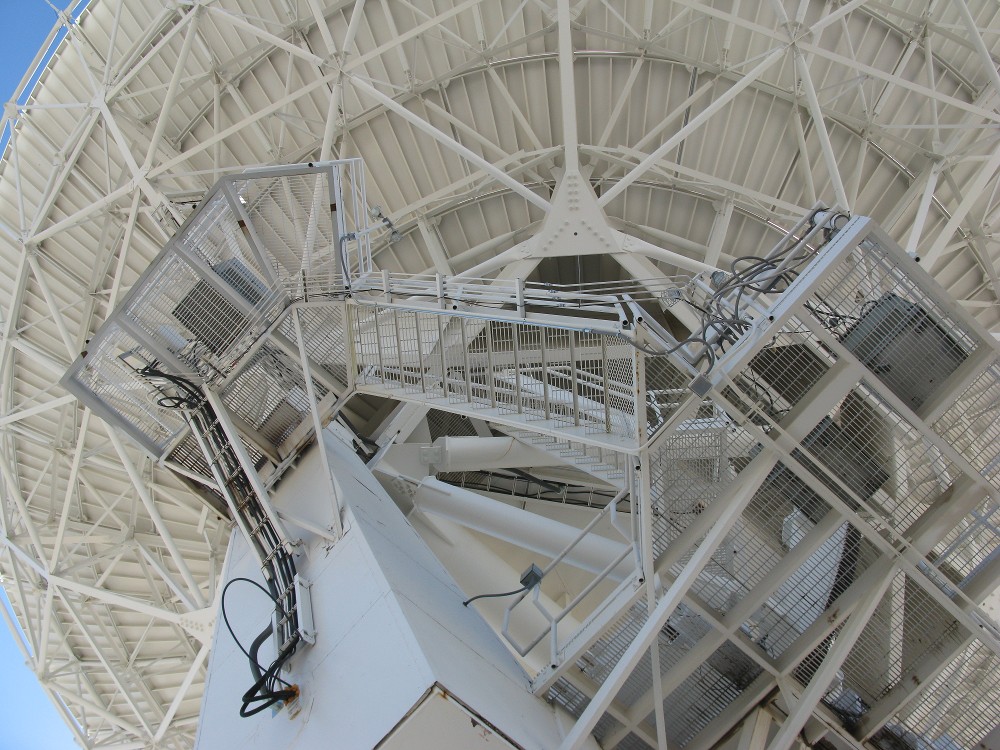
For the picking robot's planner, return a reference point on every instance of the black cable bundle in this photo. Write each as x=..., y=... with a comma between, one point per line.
x=180, y=393
x=265, y=691
x=188, y=397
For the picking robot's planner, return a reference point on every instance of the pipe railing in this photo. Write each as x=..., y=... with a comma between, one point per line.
x=610, y=512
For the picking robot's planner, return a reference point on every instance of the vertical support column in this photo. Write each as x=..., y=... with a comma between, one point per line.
x=378, y=342
x=442, y=327
x=418, y=332
x=606, y=383
x=543, y=332
x=350, y=344
x=515, y=342
x=339, y=226
x=491, y=373
x=465, y=360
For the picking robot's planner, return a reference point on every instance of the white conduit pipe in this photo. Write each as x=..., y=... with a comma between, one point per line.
x=485, y=453
x=521, y=527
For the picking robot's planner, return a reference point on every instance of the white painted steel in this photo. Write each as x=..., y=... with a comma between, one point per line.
x=461, y=111
x=530, y=531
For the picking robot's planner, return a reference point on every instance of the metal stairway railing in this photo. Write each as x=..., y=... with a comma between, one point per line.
x=563, y=379
x=599, y=462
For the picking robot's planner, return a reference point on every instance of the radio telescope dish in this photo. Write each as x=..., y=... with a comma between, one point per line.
x=640, y=150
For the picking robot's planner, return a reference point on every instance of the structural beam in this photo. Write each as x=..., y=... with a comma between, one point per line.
x=751, y=478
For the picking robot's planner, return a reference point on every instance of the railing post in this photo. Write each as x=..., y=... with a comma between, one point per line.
x=439, y=283
x=639, y=374
x=491, y=375
x=542, y=331
x=420, y=351
x=350, y=327
x=378, y=343
x=465, y=360
x=516, y=345
x=399, y=349
x=442, y=328
x=607, y=390
x=574, y=382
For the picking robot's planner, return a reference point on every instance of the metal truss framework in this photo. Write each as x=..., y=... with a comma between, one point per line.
x=703, y=133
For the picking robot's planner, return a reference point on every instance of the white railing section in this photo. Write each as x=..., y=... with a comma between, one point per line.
x=628, y=532
x=558, y=375
x=522, y=371
x=453, y=292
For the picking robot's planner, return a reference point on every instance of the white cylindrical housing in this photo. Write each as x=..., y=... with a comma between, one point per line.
x=484, y=453
x=528, y=530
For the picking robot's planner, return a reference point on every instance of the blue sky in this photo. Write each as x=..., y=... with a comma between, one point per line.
x=28, y=720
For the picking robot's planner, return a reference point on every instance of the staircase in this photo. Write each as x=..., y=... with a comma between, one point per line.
x=569, y=383
x=601, y=463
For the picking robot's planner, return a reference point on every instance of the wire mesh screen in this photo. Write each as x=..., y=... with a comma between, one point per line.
x=217, y=236
x=564, y=693
x=293, y=217
x=259, y=240
x=632, y=742
x=771, y=524
x=666, y=390
x=705, y=694
x=783, y=371
x=604, y=654
x=561, y=376
x=444, y=423
x=974, y=541
x=199, y=318
x=324, y=335
x=676, y=638
x=692, y=467
x=907, y=631
x=894, y=325
x=189, y=454
x=959, y=705
x=972, y=423
x=810, y=589
x=871, y=456
x=270, y=395
x=109, y=371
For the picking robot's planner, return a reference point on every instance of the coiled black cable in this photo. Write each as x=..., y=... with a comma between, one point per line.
x=265, y=691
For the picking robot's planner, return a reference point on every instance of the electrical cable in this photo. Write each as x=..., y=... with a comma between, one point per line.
x=748, y=274
x=190, y=396
x=371, y=444
x=266, y=542
x=264, y=690
x=467, y=602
